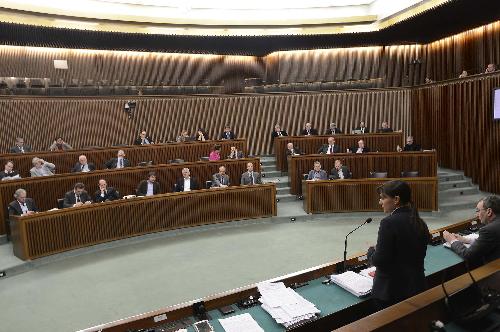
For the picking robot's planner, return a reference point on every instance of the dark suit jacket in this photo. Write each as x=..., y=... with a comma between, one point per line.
x=179, y=184
x=224, y=136
x=15, y=208
x=138, y=140
x=15, y=149
x=218, y=179
x=399, y=258
x=78, y=167
x=239, y=155
x=70, y=199
x=110, y=195
x=11, y=174
x=322, y=175
x=275, y=134
x=355, y=148
x=113, y=162
x=329, y=131
x=324, y=148
x=486, y=248
x=385, y=130
x=312, y=132
x=335, y=174
x=205, y=134
x=366, y=129
x=142, y=188
x=295, y=150
x=412, y=147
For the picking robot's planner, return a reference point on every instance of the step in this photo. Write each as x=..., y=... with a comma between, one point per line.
x=450, y=177
x=286, y=198
x=271, y=174
x=268, y=162
x=460, y=202
x=455, y=184
x=458, y=192
x=266, y=158
x=268, y=168
x=282, y=190
x=280, y=182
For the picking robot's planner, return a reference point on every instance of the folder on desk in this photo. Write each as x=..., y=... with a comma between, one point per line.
x=354, y=283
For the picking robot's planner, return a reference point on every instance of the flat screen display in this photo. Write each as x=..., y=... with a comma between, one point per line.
x=496, y=104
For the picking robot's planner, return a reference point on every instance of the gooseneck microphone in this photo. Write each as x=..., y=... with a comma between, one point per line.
x=367, y=221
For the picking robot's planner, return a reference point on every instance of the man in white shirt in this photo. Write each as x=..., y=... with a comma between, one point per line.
x=83, y=165
x=149, y=187
x=119, y=162
x=361, y=148
x=340, y=171
x=9, y=173
x=220, y=179
x=22, y=205
x=187, y=182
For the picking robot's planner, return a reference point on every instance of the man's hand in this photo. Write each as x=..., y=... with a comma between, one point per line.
x=448, y=237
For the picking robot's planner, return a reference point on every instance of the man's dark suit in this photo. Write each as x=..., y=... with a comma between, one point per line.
x=112, y=163
x=224, y=135
x=276, y=134
x=312, y=131
x=485, y=248
x=138, y=140
x=333, y=131
x=142, y=188
x=78, y=167
x=110, y=195
x=15, y=208
x=295, y=150
x=218, y=180
x=16, y=149
x=179, y=184
x=324, y=148
x=70, y=198
x=335, y=174
x=411, y=147
x=8, y=175
x=384, y=130
x=365, y=149
x=399, y=258
x=366, y=129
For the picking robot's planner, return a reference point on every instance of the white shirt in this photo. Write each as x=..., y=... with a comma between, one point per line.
x=340, y=173
x=360, y=150
x=24, y=208
x=119, y=163
x=85, y=168
x=187, y=184
x=330, y=149
x=150, y=191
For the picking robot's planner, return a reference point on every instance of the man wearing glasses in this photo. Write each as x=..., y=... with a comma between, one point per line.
x=487, y=246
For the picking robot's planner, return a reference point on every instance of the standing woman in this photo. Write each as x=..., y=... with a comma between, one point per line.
x=401, y=247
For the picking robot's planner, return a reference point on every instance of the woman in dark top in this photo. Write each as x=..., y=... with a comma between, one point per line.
x=401, y=247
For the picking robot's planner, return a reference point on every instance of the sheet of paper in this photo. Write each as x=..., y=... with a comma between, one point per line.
x=240, y=323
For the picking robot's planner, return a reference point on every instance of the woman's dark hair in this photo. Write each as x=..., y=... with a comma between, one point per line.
x=402, y=189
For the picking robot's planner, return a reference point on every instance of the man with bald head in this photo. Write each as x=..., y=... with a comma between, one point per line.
x=119, y=162
x=309, y=130
x=105, y=193
x=186, y=182
x=329, y=148
x=292, y=150
x=220, y=179
x=83, y=166
x=361, y=148
x=250, y=177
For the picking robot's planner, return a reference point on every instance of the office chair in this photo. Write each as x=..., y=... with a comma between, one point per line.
x=378, y=175
x=409, y=174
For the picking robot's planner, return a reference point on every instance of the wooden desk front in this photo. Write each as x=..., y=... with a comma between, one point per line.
x=51, y=232
x=362, y=164
x=157, y=153
x=311, y=144
x=361, y=194
x=46, y=190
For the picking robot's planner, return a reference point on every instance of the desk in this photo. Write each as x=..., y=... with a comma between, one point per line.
x=361, y=194
x=157, y=153
x=338, y=307
x=47, y=189
x=311, y=144
x=51, y=232
x=362, y=164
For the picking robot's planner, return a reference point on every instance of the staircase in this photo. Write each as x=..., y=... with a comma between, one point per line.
x=271, y=174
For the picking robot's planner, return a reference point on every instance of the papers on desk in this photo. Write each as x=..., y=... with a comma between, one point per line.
x=354, y=283
x=285, y=305
x=471, y=237
x=366, y=272
x=240, y=323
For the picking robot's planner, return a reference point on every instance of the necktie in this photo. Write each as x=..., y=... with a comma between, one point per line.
x=83, y=166
x=121, y=162
x=330, y=150
x=221, y=179
x=22, y=150
x=78, y=198
x=251, y=175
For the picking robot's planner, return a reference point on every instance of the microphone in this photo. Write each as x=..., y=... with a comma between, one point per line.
x=367, y=221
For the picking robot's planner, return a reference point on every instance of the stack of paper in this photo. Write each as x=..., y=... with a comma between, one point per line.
x=471, y=237
x=284, y=304
x=240, y=323
x=354, y=283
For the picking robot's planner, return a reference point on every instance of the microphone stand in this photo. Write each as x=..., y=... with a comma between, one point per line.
x=367, y=221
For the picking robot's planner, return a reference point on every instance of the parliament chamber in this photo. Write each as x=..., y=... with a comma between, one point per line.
x=203, y=102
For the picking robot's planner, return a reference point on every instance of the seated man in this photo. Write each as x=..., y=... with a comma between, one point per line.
x=83, y=166
x=20, y=147
x=235, y=154
x=491, y=68
x=186, y=182
x=329, y=148
x=76, y=197
x=227, y=133
x=143, y=139
x=105, y=193
x=8, y=173
x=184, y=136
x=309, y=130
x=362, y=128
x=60, y=145
x=220, y=179
x=148, y=187
x=340, y=171
x=119, y=162
x=42, y=167
x=317, y=173
x=385, y=128
x=277, y=132
x=361, y=148
x=333, y=129
x=250, y=177
x=411, y=145
x=486, y=247
x=22, y=205
x=292, y=150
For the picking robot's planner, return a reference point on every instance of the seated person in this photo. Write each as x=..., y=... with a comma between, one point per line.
x=60, y=145
x=486, y=247
x=333, y=129
x=235, y=154
x=340, y=171
x=119, y=162
x=22, y=205
x=362, y=128
x=77, y=197
x=105, y=193
x=9, y=173
x=463, y=74
x=143, y=139
x=215, y=153
x=277, y=132
x=317, y=173
x=411, y=145
x=309, y=130
x=385, y=128
x=83, y=166
x=490, y=68
x=20, y=147
x=292, y=150
x=250, y=177
x=148, y=187
x=186, y=182
x=428, y=80
x=220, y=179
x=329, y=148
x=184, y=136
x=201, y=135
x=42, y=167
x=227, y=134
x=361, y=148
